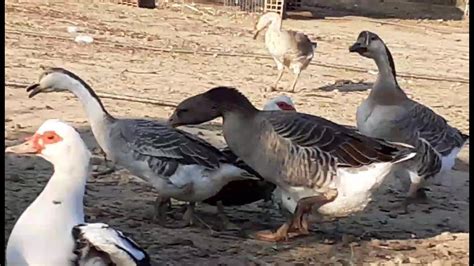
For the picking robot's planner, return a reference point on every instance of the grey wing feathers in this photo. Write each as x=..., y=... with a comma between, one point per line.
x=313, y=148
x=304, y=46
x=427, y=160
x=434, y=129
x=167, y=147
x=231, y=158
x=99, y=244
x=349, y=147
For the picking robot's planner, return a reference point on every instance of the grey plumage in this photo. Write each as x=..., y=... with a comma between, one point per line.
x=308, y=149
x=388, y=113
x=310, y=157
x=178, y=164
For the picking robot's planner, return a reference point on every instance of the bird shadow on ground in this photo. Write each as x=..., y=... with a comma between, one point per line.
x=347, y=86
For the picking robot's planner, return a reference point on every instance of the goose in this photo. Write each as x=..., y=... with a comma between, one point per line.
x=284, y=201
x=178, y=164
x=290, y=49
x=327, y=167
x=242, y=192
x=52, y=230
x=388, y=113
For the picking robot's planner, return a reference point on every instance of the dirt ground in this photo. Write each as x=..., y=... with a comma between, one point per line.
x=140, y=52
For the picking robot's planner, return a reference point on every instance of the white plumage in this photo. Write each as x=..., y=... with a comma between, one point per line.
x=49, y=230
x=101, y=237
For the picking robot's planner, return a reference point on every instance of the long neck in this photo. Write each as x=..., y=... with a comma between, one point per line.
x=274, y=23
x=90, y=101
x=386, y=89
x=243, y=109
x=98, y=117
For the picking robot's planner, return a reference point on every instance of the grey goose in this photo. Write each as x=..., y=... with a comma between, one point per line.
x=178, y=164
x=324, y=165
x=241, y=192
x=289, y=49
x=388, y=113
x=52, y=230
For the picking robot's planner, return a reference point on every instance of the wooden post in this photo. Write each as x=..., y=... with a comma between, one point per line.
x=146, y=3
x=466, y=9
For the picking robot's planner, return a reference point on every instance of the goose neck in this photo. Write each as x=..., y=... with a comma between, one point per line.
x=275, y=24
x=386, y=88
x=98, y=117
x=92, y=104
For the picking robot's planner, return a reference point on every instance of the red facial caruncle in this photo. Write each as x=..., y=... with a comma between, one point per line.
x=285, y=106
x=39, y=141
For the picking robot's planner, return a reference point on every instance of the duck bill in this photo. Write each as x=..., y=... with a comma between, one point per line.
x=33, y=90
x=26, y=147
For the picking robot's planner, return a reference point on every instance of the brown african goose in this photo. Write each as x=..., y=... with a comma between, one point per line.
x=388, y=113
x=290, y=49
x=323, y=165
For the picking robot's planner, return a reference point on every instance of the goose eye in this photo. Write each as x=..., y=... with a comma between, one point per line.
x=373, y=38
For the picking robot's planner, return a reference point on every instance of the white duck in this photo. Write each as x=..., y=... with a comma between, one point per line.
x=280, y=103
x=52, y=231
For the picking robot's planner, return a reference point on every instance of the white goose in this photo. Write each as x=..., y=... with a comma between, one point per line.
x=52, y=231
x=178, y=164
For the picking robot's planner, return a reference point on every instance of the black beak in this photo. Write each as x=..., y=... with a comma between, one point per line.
x=33, y=90
x=358, y=47
x=173, y=121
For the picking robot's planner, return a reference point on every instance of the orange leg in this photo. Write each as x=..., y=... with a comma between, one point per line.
x=298, y=224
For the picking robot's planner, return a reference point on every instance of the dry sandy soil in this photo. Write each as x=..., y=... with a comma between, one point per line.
x=141, y=52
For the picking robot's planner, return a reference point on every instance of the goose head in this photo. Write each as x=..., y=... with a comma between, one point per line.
x=369, y=45
x=264, y=21
x=280, y=103
x=55, y=141
x=55, y=79
x=209, y=105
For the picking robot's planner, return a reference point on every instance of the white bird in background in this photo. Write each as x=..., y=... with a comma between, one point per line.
x=280, y=103
x=52, y=230
x=290, y=49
